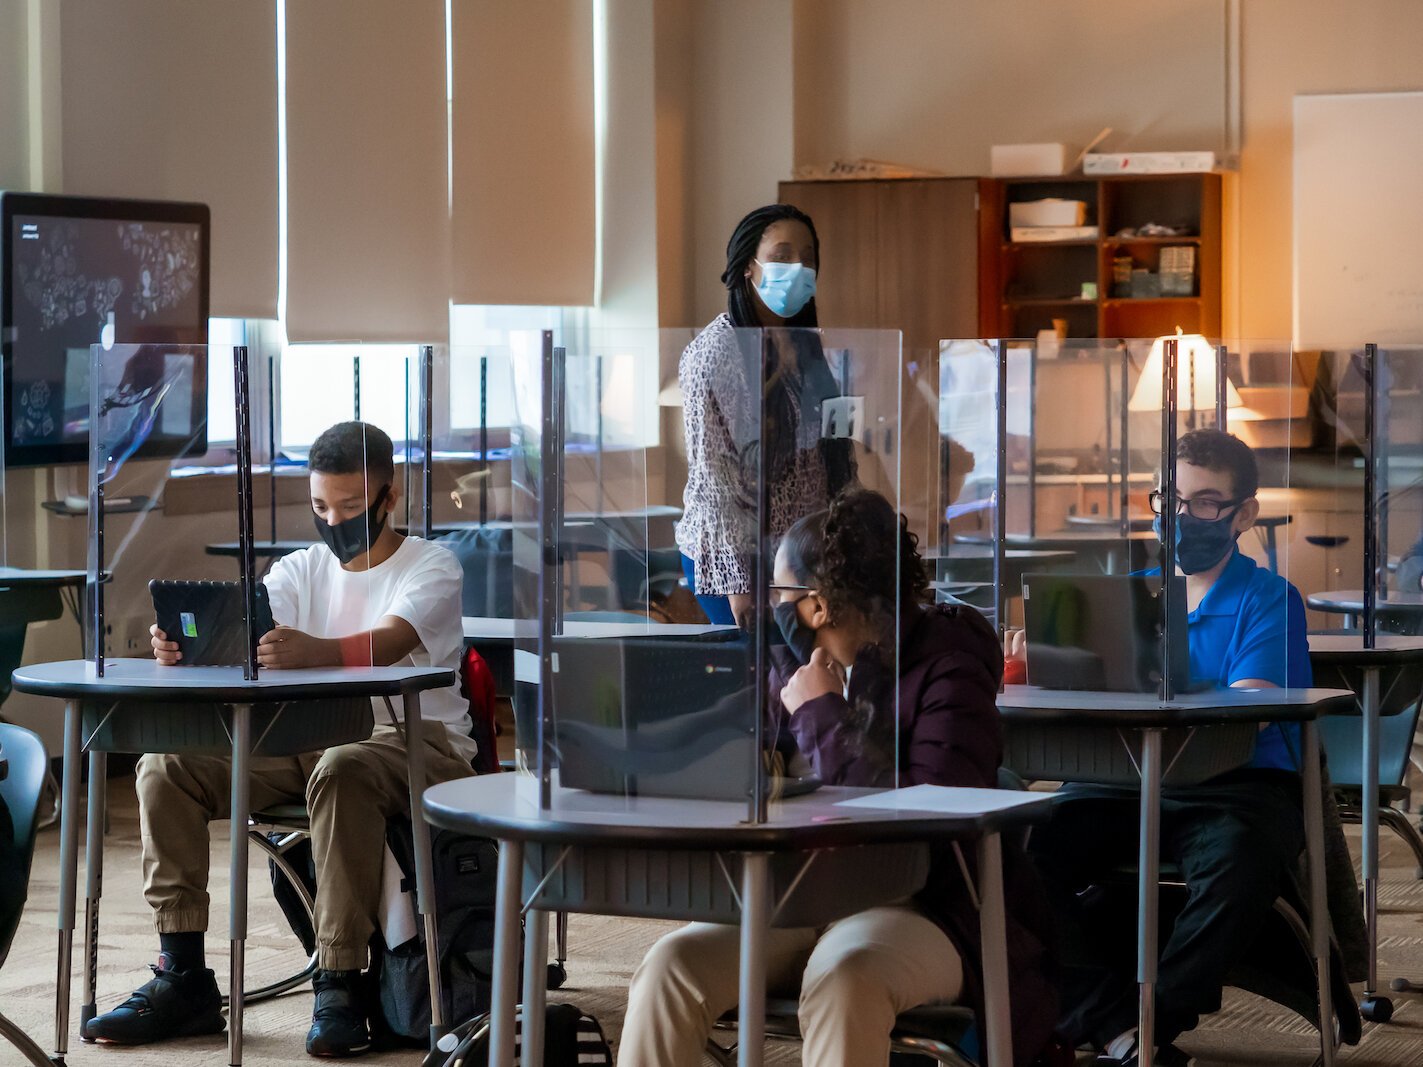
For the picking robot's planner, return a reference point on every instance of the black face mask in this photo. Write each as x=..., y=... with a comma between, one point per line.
x=355, y=535
x=1200, y=543
x=800, y=638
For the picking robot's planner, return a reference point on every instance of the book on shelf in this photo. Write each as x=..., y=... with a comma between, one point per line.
x=1027, y=234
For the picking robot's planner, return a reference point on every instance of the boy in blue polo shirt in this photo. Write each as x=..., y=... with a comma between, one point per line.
x=1235, y=837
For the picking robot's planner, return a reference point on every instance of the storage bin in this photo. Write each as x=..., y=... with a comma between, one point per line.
x=278, y=729
x=692, y=885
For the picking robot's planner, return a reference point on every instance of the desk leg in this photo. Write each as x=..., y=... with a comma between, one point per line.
x=68, y=874
x=93, y=881
x=1148, y=891
x=531, y=1045
x=507, y=905
x=237, y=872
x=1318, y=900
x=993, y=933
x=424, y=862
x=755, y=921
x=1377, y=1010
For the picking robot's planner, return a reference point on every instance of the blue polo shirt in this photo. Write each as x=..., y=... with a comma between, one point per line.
x=1251, y=624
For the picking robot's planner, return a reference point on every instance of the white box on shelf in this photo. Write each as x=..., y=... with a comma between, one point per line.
x=1027, y=160
x=1048, y=234
x=1147, y=162
x=1050, y=211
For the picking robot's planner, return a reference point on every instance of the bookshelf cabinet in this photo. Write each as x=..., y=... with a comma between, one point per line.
x=1023, y=285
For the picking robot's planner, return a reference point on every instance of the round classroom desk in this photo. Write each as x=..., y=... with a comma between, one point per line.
x=1336, y=654
x=677, y=859
x=1350, y=604
x=139, y=705
x=1141, y=741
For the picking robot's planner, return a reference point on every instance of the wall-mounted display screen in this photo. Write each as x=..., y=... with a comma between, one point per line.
x=79, y=272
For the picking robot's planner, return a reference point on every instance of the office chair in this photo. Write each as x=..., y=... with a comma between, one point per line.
x=23, y=766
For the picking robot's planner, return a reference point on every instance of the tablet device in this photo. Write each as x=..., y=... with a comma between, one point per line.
x=206, y=620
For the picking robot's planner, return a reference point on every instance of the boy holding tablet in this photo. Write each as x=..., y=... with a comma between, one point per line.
x=1234, y=837
x=366, y=595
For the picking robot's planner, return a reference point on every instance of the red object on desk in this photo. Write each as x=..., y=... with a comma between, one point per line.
x=1015, y=672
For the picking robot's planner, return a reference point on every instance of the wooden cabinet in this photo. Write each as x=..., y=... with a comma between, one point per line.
x=1025, y=285
x=896, y=255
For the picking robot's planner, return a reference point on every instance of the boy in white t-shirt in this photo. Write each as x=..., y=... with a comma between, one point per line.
x=367, y=595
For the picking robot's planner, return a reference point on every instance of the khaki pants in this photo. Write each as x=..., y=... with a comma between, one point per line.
x=350, y=792
x=854, y=978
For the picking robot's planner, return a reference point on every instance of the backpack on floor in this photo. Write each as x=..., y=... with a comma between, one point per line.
x=572, y=1038
x=465, y=877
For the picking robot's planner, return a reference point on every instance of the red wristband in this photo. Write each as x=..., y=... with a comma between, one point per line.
x=356, y=650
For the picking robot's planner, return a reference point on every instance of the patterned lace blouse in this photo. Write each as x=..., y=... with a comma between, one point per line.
x=720, y=378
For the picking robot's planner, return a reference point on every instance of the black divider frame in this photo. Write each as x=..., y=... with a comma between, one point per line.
x=95, y=587
x=1169, y=592
x=1369, y=369
x=427, y=433
x=550, y=488
x=247, y=559
x=1000, y=491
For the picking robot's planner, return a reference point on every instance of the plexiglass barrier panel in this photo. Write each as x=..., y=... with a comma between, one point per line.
x=639, y=692
x=1398, y=489
x=164, y=530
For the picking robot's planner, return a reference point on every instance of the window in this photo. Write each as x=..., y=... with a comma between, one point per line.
x=319, y=389
x=222, y=400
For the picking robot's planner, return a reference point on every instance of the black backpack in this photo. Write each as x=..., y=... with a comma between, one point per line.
x=465, y=876
x=571, y=1039
x=398, y=994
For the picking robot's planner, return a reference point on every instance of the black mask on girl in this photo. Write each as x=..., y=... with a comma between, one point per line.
x=1200, y=543
x=800, y=638
x=355, y=535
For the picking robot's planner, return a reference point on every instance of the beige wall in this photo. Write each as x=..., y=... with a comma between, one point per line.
x=14, y=124
x=934, y=83
x=1303, y=46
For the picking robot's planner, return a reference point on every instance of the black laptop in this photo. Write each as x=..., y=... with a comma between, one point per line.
x=206, y=619
x=662, y=717
x=1101, y=632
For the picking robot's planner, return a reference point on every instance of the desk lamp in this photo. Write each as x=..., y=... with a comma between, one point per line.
x=1199, y=364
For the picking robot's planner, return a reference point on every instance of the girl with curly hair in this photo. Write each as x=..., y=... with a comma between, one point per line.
x=874, y=687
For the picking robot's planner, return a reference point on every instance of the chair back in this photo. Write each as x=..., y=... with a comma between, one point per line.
x=22, y=771
x=1400, y=700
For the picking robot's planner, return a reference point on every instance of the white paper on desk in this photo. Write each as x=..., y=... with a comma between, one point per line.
x=942, y=799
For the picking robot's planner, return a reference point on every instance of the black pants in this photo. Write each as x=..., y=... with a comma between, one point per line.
x=1234, y=838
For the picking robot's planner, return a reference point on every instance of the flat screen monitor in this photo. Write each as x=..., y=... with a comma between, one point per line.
x=77, y=272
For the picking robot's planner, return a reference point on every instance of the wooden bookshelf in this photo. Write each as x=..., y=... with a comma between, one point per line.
x=1024, y=285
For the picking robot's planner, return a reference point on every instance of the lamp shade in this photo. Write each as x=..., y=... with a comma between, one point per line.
x=1195, y=377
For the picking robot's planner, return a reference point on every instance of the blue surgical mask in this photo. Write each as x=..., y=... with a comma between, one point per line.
x=1200, y=543
x=785, y=288
x=800, y=638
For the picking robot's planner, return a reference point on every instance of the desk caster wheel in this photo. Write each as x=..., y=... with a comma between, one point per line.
x=1376, y=1009
x=557, y=975
x=1403, y=985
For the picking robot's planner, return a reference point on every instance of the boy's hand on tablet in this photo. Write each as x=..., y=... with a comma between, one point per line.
x=820, y=676
x=164, y=651
x=285, y=648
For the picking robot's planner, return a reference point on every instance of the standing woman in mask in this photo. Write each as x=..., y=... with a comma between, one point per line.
x=751, y=405
x=874, y=687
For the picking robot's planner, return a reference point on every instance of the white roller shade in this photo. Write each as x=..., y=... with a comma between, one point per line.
x=367, y=197
x=175, y=100
x=523, y=151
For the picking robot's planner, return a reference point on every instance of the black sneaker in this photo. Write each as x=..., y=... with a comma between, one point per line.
x=174, y=1004
x=338, y=1022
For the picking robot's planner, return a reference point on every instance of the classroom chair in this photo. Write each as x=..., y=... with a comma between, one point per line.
x=1400, y=701
x=23, y=766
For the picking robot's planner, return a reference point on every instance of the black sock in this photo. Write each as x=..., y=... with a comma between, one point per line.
x=185, y=950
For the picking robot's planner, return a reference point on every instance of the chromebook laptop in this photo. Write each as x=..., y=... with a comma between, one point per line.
x=658, y=716
x=1098, y=631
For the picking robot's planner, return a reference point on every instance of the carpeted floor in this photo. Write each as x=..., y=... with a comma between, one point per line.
x=603, y=951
